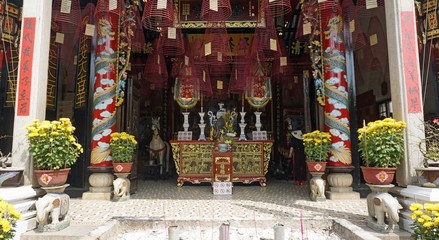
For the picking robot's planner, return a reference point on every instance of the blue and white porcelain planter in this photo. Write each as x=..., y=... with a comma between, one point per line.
x=222, y=147
x=11, y=176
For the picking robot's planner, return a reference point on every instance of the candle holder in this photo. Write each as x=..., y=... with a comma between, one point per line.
x=242, y=125
x=258, y=123
x=201, y=117
x=202, y=126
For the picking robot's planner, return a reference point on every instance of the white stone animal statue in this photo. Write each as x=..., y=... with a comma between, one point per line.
x=121, y=189
x=317, y=186
x=384, y=206
x=52, y=208
x=158, y=149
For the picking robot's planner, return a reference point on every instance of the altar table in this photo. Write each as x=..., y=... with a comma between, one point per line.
x=193, y=161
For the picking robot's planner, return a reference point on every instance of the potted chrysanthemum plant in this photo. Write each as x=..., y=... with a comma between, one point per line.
x=122, y=147
x=54, y=149
x=381, y=145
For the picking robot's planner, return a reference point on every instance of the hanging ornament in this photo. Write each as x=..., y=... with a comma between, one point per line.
x=158, y=14
x=187, y=86
x=258, y=90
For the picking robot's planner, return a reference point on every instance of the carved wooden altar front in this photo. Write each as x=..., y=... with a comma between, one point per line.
x=193, y=161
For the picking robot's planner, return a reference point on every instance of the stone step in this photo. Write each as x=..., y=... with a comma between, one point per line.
x=124, y=227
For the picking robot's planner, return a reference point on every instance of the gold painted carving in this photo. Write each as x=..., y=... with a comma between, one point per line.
x=51, y=75
x=196, y=158
x=176, y=156
x=267, y=155
x=203, y=24
x=82, y=72
x=12, y=77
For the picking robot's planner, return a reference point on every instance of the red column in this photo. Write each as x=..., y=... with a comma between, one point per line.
x=104, y=99
x=336, y=88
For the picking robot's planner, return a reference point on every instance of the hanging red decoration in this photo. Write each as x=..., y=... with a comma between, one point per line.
x=369, y=8
x=240, y=70
x=204, y=76
x=155, y=73
x=216, y=10
x=138, y=41
x=158, y=14
x=265, y=45
x=109, y=7
x=350, y=14
x=67, y=14
x=196, y=51
x=238, y=77
x=216, y=50
x=282, y=68
x=171, y=41
x=87, y=17
x=308, y=21
x=276, y=7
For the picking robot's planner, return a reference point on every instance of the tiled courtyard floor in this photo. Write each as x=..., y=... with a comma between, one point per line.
x=251, y=210
x=279, y=200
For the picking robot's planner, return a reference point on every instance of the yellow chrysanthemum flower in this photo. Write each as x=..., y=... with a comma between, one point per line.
x=428, y=224
x=426, y=217
x=418, y=212
x=415, y=206
x=6, y=226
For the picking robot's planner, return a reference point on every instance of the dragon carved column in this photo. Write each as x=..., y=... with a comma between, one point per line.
x=336, y=101
x=104, y=98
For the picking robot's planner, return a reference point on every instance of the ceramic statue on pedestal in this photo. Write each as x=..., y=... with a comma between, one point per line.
x=121, y=188
x=52, y=212
x=383, y=209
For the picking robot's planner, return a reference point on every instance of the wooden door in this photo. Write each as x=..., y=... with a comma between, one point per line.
x=131, y=124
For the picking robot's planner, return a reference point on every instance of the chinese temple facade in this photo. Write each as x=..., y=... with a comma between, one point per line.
x=185, y=71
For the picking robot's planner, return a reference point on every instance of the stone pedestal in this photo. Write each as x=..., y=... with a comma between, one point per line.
x=101, y=180
x=317, y=186
x=340, y=182
x=121, y=187
x=383, y=209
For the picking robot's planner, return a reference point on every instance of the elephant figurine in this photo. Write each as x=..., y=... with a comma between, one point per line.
x=121, y=189
x=52, y=208
x=317, y=186
x=382, y=206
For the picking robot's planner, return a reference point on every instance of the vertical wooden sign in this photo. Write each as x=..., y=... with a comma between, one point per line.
x=26, y=56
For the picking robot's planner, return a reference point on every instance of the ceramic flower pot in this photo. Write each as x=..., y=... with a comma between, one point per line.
x=122, y=167
x=316, y=166
x=49, y=178
x=378, y=176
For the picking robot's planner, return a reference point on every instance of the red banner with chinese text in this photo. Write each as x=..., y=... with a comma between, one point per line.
x=26, y=56
x=411, y=65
